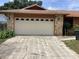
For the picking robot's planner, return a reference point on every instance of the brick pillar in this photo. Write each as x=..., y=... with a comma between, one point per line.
x=10, y=22
x=58, y=31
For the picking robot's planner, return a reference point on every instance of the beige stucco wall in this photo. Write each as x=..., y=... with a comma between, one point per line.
x=58, y=22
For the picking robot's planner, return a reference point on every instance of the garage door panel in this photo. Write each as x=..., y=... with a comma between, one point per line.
x=34, y=27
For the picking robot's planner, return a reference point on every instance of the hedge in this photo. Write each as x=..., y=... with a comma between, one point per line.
x=6, y=34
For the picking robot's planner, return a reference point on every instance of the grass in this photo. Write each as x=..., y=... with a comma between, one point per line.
x=2, y=40
x=73, y=44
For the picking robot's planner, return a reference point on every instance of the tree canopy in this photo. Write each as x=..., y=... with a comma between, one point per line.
x=18, y=4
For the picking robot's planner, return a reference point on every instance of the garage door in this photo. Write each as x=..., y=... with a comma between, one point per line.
x=34, y=26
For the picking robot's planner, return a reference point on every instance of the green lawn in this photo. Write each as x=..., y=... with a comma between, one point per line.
x=73, y=44
x=2, y=40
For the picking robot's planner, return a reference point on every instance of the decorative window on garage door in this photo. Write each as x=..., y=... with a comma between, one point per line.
x=34, y=19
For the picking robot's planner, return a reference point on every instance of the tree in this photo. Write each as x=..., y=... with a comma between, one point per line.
x=11, y=5
x=25, y=3
x=18, y=4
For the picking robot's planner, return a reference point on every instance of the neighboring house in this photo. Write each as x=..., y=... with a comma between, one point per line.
x=35, y=20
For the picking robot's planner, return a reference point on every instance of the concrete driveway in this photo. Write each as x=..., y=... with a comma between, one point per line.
x=35, y=47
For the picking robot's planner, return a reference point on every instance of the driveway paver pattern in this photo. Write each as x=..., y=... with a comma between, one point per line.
x=35, y=47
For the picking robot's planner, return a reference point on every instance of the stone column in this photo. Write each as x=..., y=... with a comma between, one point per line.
x=10, y=22
x=58, y=23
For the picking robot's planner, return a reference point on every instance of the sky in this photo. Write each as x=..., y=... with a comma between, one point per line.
x=56, y=4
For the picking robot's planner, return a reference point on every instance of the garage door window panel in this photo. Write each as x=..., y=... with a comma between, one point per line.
x=42, y=19
x=17, y=18
x=32, y=19
x=46, y=19
x=22, y=18
x=37, y=19
x=51, y=19
x=27, y=19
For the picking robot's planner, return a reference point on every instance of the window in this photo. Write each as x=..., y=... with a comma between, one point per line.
x=46, y=20
x=42, y=19
x=17, y=18
x=37, y=19
x=27, y=19
x=51, y=19
x=22, y=19
x=32, y=19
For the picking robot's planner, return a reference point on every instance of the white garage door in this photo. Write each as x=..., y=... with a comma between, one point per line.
x=33, y=26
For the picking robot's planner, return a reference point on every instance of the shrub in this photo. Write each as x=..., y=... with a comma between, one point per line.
x=76, y=27
x=6, y=34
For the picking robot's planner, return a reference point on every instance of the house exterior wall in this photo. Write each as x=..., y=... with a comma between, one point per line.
x=10, y=22
x=58, y=21
x=34, y=15
x=58, y=31
x=76, y=21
